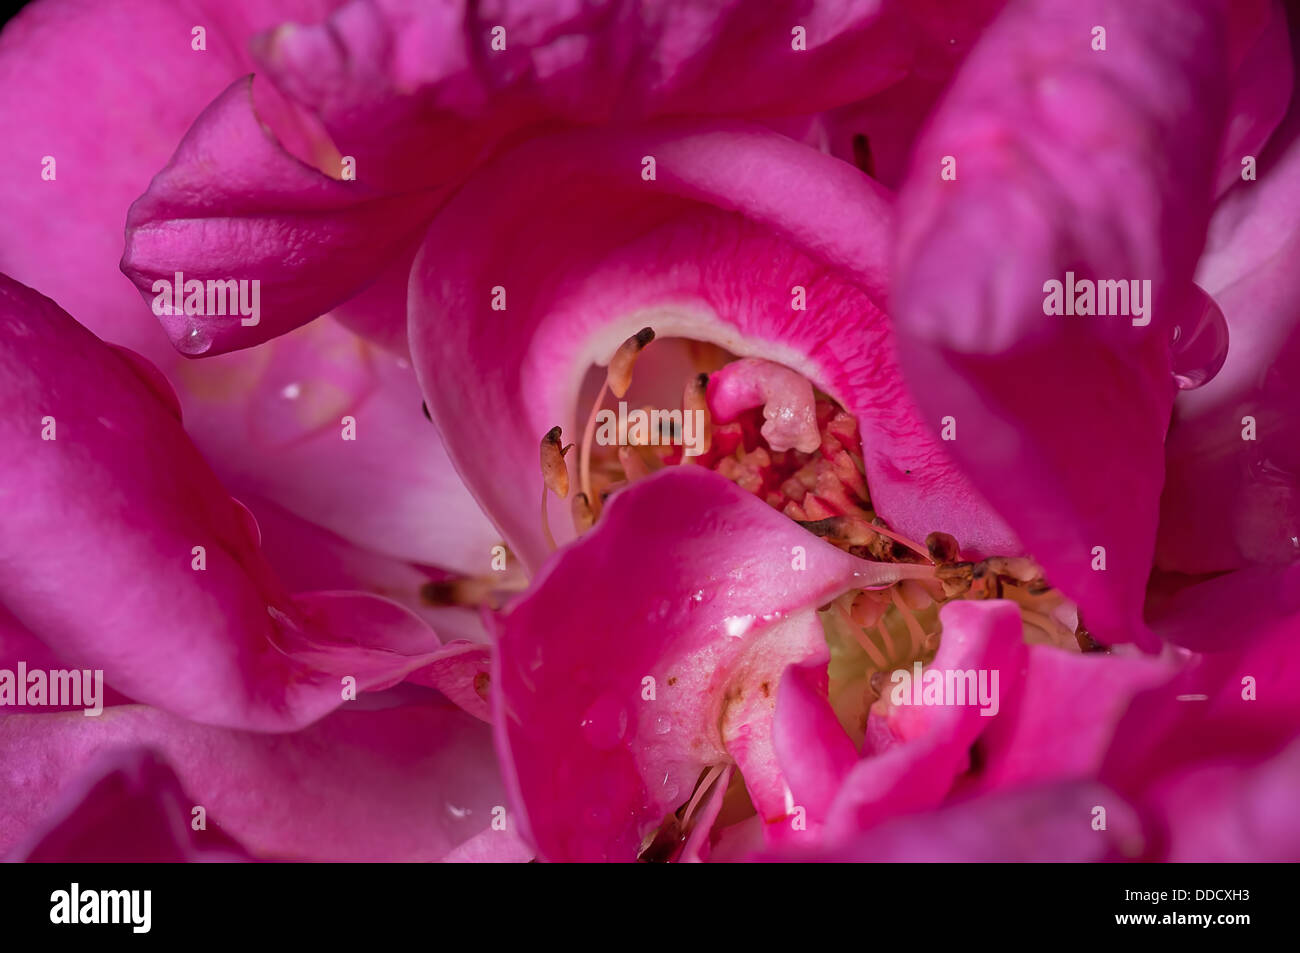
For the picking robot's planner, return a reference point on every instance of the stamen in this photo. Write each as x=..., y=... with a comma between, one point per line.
x=866, y=609
x=588, y=434
x=583, y=518
x=863, y=639
x=470, y=591
x=555, y=472
x=1049, y=625
x=546, y=522
x=633, y=464
x=555, y=476
x=914, y=630
x=619, y=376
x=695, y=401
x=887, y=639
x=943, y=548
x=900, y=538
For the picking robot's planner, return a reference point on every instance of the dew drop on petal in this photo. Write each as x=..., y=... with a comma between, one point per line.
x=1198, y=345
x=194, y=341
x=738, y=625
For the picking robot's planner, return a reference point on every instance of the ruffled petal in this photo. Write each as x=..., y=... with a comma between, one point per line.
x=406, y=783
x=1232, y=497
x=268, y=420
x=1035, y=395
x=1048, y=824
x=652, y=649
x=127, y=807
x=226, y=208
x=112, y=493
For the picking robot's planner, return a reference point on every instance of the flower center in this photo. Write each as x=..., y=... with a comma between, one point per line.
x=769, y=430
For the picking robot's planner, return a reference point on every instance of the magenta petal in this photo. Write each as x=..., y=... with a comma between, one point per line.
x=814, y=751
x=1229, y=612
x=74, y=86
x=462, y=672
x=128, y=808
x=1061, y=721
x=1238, y=702
x=268, y=420
x=1050, y=824
x=1234, y=445
x=1211, y=757
x=1262, y=80
x=114, y=493
x=1033, y=394
x=420, y=92
x=617, y=674
x=408, y=783
x=601, y=253
x=1230, y=812
x=228, y=205
x=930, y=744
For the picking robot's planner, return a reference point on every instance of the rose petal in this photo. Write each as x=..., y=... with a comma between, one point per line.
x=408, y=783
x=600, y=253
x=1032, y=394
x=636, y=661
x=118, y=495
x=128, y=807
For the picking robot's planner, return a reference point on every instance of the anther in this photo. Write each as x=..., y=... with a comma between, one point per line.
x=943, y=547
x=624, y=359
x=554, y=470
x=555, y=475
x=618, y=378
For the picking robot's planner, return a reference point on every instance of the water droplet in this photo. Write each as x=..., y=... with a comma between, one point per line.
x=308, y=382
x=671, y=790
x=738, y=625
x=604, y=724
x=663, y=725
x=1198, y=345
x=194, y=341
